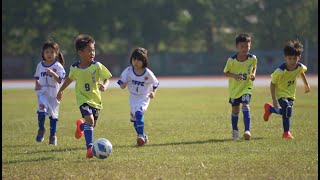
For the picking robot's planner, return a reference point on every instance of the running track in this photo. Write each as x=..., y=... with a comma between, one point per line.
x=171, y=82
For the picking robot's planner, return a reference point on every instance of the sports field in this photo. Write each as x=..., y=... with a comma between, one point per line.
x=189, y=130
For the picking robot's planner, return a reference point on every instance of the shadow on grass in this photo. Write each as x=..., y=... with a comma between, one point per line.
x=26, y=160
x=194, y=142
x=52, y=150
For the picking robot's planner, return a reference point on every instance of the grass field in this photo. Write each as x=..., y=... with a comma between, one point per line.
x=189, y=132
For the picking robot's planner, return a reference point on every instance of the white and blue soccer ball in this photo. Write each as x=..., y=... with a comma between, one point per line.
x=102, y=148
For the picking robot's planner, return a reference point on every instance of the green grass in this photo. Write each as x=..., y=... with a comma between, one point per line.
x=190, y=138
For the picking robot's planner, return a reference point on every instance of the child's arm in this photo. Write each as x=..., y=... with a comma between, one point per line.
x=65, y=84
x=273, y=94
x=153, y=93
x=103, y=87
x=305, y=82
x=236, y=76
x=37, y=85
x=253, y=74
x=55, y=75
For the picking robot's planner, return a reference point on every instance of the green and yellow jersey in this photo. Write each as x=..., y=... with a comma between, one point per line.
x=286, y=81
x=244, y=86
x=87, y=80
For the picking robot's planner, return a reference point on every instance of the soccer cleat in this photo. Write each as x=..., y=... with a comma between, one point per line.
x=287, y=135
x=53, y=140
x=235, y=135
x=89, y=153
x=146, y=139
x=267, y=112
x=247, y=135
x=39, y=137
x=78, y=134
x=140, y=140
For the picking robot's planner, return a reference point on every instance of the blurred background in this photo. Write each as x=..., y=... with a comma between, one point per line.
x=183, y=37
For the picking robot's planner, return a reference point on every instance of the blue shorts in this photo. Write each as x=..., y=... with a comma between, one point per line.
x=86, y=109
x=285, y=102
x=245, y=99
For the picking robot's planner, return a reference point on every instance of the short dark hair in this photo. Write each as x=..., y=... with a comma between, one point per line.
x=82, y=41
x=293, y=48
x=141, y=54
x=243, y=38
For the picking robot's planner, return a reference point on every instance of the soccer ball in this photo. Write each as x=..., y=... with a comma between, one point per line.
x=101, y=148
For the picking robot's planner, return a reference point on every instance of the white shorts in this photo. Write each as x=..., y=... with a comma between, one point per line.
x=138, y=103
x=48, y=104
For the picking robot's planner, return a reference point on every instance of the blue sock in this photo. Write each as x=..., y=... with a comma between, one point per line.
x=53, y=126
x=140, y=122
x=135, y=126
x=41, y=119
x=234, y=121
x=286, y=124
x=88, y=134
x=246, y=117
x=82, y=126
x=275, y=110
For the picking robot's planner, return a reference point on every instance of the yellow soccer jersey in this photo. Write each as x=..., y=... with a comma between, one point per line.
x=87, y=80
x=286, y=81
x=239, y=88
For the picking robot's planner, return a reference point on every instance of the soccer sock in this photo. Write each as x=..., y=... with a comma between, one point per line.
x=82, y=126
x=275, y=110
x=140, y=123
x=88, y=134
x=53, y=126
x=41, y=119
x=135, y=126
x=246, y=117
x=234, y=121
x=286, y=124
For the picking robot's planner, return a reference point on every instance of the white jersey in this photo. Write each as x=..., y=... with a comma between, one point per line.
x=139, y=84
x=49, y=85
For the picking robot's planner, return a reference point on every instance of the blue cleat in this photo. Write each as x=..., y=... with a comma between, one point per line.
x=39, y=137
x=53, y=140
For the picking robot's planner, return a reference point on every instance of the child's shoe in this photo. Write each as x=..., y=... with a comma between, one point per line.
x=287, y=135
x=267, y=112
x=89, y=153
x=39, y=137
x=146, y=141
x=235, y=135
x=53, y=140
x=247, y=135
x=140, y=140
x=78, y=134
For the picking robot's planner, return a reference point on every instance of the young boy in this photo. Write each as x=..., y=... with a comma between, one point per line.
x=88, y=75
x=283, y=85
x=241, y=70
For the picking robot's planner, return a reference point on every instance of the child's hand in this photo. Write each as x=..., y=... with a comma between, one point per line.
x=252, y=77
x=38, y=86
x=102, y=87
x=307, y=88
x=152, y=95
x=238, y=77
x=49, y=71
x=275, y=104
x=59, y=96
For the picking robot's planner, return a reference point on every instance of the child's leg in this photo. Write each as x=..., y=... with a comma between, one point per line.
x=53, y=126
x=246, y=116
x=235, y=117
x=286, y=111
x=88, y=130
x=41, y=120
x=139, y=124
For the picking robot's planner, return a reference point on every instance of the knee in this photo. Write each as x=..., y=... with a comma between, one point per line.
x=139, y=116
x=287, y=111
x=245, y=107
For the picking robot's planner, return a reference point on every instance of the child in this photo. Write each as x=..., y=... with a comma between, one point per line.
x=142, y=85
x=49, y=75
x=283, y=85
x=88, y=75
x=241, y=70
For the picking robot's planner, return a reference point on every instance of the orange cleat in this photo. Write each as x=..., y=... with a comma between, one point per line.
x=267, y=112
x=287, y=135
x=78, y=134
x=89, y=153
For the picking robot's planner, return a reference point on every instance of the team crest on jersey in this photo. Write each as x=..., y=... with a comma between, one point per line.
x=145, y=78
